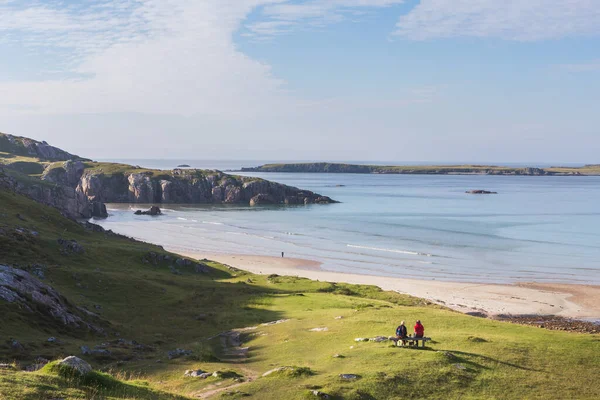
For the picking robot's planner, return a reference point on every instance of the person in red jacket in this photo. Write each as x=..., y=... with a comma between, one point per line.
x=419, y=329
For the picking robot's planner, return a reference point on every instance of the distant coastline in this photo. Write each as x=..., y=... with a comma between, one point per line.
x=323, y=167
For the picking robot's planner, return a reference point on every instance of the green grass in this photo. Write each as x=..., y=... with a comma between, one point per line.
x=25, y=165
x=54, y=381
x=147, y=303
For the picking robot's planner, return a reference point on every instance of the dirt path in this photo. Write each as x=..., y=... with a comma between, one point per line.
x=235, y=354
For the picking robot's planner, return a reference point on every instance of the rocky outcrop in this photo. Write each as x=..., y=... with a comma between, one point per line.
x=68, y=247
x=79, y=188
x=190, y=187
x=32, y=148
x=67, y=174
x=23, y=289
x=71, y=202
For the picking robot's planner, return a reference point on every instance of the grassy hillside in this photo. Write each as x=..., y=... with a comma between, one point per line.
x=423, y=169
x=148, y=310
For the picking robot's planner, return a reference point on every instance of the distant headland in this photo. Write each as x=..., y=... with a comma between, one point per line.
x=323, y=167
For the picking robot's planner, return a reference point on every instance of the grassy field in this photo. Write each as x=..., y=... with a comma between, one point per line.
x=470, y=358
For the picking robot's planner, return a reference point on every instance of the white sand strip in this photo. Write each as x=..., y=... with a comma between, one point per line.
x=575, y=301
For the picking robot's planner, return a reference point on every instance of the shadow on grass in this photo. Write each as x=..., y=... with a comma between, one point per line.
x=463, y=360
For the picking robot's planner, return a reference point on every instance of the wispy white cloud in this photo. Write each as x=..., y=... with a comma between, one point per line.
x=520, y=20
x=286, y=17
x=157, y=56
x=168, y=56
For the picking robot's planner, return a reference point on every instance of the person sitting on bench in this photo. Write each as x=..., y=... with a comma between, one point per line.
x=401, y=333
x=419, y=331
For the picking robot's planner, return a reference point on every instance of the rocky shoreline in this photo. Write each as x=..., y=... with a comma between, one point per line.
x=552, y=322
x=79, y=188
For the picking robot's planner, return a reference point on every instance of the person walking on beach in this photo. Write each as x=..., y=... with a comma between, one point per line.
x=401, y=333
x=282, y=254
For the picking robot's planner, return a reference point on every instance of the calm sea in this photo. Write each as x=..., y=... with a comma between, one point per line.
x=544, y=229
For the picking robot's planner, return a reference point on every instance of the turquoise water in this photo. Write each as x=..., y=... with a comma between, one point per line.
x=544, y=229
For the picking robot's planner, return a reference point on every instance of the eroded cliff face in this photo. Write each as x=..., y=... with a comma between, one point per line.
x=177, y=186
x=191, y=187
x=71, y=203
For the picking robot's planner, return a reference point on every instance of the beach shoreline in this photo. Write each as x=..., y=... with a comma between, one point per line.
x=524, y=298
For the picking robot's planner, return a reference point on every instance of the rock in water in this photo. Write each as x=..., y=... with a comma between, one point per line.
x=77, y=365
x=480, y=192
x=154, y=210
x=98, y=209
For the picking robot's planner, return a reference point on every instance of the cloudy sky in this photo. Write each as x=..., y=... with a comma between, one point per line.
x=393, y=80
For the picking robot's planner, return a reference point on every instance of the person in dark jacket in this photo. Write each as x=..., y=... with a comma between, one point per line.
x=401, y=333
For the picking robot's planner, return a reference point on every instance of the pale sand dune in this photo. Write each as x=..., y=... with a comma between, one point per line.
x=576, y=301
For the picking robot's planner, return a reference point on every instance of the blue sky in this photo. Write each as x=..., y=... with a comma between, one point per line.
x=429, y=80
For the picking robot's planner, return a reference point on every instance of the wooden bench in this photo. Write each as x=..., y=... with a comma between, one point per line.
x=409, y=339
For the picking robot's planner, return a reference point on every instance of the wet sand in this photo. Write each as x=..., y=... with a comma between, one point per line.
x=565, y=300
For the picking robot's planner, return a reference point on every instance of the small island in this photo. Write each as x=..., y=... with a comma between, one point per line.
x=339, y=168
x=184, y=166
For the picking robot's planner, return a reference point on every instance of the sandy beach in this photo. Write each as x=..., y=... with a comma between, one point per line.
x=573, y=301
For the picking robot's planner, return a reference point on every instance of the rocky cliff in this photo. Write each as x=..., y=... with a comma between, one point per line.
x=101, y=183
x=23, y=146
x=68, y=200
x=79, y=187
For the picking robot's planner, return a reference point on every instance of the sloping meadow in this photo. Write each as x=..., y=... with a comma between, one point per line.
x=155, y=317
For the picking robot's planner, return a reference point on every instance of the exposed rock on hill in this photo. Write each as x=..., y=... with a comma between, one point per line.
x=21, y=288
x=76, y=364
x=68, y=174
x=23, y=146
